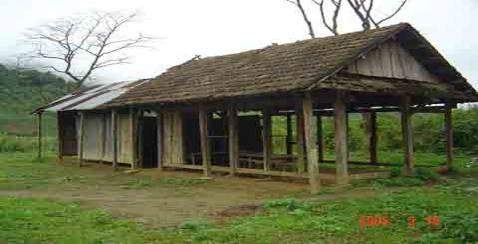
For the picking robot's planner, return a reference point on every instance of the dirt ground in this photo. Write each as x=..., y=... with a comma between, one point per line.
x=160, y=198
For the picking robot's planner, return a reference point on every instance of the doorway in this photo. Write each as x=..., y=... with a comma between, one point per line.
x=150, y=142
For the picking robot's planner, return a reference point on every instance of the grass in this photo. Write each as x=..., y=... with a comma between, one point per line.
x=452, y=199
x=284, y=221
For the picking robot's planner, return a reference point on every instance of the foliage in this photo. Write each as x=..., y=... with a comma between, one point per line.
x=12, y=143
x=21, y=91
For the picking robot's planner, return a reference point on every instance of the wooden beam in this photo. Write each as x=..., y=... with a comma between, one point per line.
x=204, y=132
x=114, y=137
x=159, y=135
x=266, y=138
x=449, y=135
x=300, y=138
x=40, y=136
x=407, y=134
x=233, y=131
x=320, y=138
x=81, y=138
x=288, y=138
x=310, y=132
x=341, y=150
x=373, y=138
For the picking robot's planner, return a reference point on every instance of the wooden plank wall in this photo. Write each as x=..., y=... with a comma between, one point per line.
x=173, y=148
x=392, y=61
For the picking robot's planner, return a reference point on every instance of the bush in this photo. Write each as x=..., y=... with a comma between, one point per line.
x=426, y=174
x=10, y=143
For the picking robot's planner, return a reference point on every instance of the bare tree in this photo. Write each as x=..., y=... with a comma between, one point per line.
x=77, y=47
x=307, y=21
x=332, y=27
x=363, y=10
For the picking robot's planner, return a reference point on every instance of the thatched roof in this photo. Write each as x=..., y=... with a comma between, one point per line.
x=293, y=67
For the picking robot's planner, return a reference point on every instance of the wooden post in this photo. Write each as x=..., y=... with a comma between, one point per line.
x=233, y=138
x=449, y=134
x=39, y=133
x=310, y=132
x=159, y=131
x=204, y=133
x=81, y=137
x=373, y=138
x=114, y=137
x=341, y=150
x=288, y=138
x=320, y=138
x=407, y=133
x=132, y=134
x=300, y=139
x=266, y=138
x=59, y=125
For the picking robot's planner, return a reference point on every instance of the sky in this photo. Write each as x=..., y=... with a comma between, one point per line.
x=186, y=28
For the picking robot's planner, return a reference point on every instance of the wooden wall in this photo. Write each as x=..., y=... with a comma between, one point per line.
x=97, y=144
x=173, y=145
x=392, y=61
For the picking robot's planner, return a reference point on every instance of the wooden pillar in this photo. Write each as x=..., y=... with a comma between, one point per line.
x=204, y=133
x=373, y=138
x=159, y=135
x=59, y=125
x=132, y=134
x=320, y=138
x=233, y=138
x=81, y=137
x=341, y=149
x=288, y=138
x=407, y=133
x=114, y=137
x=266, y=138
x=310, y=132
x=300, y=139
x=39, y=133
x=449, y=134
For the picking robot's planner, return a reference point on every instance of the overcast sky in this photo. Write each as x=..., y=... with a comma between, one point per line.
x=215, y=27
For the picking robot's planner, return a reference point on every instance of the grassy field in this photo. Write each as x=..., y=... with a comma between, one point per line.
x=379, y=211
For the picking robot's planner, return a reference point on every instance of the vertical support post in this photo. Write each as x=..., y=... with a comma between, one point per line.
x=407, y=133
x=320, y=138
x=341, y=149
x=81, y=137
x=449, y=134
x=40, y=136
x=310, y=132
x=204, y=133
x=288, y=138
x=233, y=137
x=373, y=138
x=266, y=138
x=59, y=125
x=132, y=135
x=300, y=138
x=159, y=135
x=114, y=135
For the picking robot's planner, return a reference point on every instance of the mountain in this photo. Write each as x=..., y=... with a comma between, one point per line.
x=21, y=91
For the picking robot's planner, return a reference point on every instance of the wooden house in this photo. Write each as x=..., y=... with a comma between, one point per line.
x=214, y=113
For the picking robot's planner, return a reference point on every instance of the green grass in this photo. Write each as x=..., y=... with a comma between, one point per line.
x=306, y=220
x=284, y=221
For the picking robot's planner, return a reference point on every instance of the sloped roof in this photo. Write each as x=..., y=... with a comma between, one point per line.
x=91, y=97
x=290, y=67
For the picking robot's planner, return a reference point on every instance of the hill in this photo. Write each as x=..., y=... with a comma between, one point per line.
x=21, y=91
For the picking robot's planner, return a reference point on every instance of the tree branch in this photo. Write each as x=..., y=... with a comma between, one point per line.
x=307, y=21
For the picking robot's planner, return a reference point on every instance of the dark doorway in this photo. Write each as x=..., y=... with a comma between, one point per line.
x=150, y=143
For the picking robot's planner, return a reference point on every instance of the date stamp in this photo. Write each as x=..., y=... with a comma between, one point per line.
x=374, y=221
